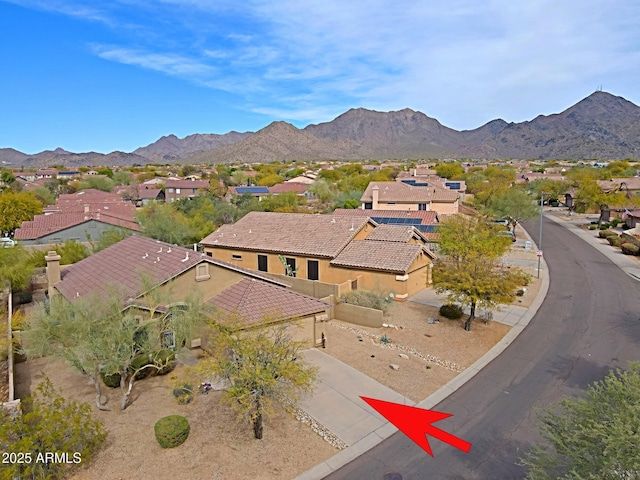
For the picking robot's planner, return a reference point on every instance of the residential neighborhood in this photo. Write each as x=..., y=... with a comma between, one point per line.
x=360, y=280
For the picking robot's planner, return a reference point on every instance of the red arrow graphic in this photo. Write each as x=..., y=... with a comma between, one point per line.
x=415, y=423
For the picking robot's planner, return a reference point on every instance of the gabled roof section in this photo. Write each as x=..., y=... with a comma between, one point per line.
x=396, y=233
x=426, y=217
x=400, y=192
x=186, y=184
x=296, y=187
x=379, y=255
x=43, y=225
x=255, y=302
x=288, y=233
x=132, y=265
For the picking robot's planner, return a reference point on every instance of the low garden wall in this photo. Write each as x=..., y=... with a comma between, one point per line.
x=364, y=316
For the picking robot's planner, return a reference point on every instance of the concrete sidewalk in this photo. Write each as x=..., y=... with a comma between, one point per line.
x=336, y=401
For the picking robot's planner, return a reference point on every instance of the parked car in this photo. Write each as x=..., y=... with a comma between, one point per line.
x=508, y=233
x=7, y=242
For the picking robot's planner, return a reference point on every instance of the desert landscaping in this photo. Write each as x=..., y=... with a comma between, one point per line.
x=221, y=446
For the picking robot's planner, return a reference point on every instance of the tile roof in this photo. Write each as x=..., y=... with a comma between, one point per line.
x=43, y=225
x=378, y=255
x=289, y=187
x=293, y=233
x=400, y=192
x=124, y=265
x=428, y=217
x=186, y=184
x=255, y=301
x=393, y=233
x=149, y=193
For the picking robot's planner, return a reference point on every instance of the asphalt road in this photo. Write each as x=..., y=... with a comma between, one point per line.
x=588, y=324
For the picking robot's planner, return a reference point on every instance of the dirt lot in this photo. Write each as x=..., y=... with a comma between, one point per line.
x=445, y=348
x=218, y=446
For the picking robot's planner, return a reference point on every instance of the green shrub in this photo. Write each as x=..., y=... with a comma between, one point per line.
x=630, y=249
x=451, y=311
x=171, y=431
x=607, y=233
x=21, y=297
x=604, y=226
x=614, y=241
x=137, y=363
x=367, y=299
x=168, y=359
x=112, y=381
x=592, y=227
x=183, y=393
x=615, y=222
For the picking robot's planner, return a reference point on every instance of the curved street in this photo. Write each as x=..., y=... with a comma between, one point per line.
x=588, y=324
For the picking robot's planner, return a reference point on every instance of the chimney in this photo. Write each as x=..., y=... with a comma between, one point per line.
x=415, y=172
x=53, y=270
x=86, y=208
x=374, y=195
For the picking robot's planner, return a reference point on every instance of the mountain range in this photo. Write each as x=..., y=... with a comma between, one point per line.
x=601, y=126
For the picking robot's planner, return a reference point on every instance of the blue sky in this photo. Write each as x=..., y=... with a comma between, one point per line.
x=116, y=75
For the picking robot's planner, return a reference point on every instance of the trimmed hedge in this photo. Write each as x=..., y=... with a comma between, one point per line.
x=139, y=362
x=614, y=241
x=171, y=431
x=630, y=249
x=607, y=233
x=451, y=311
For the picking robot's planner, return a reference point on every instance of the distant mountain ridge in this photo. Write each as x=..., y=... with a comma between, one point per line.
x=601, y=126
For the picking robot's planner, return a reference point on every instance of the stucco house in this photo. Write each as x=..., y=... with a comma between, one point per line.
x=177, y=189
x=82, y=216
x=135, y=266
x=328, y=249
x=402, y=196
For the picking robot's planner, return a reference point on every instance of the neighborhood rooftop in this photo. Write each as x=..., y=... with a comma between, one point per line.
x=400, y=192
x=379, y=255
x=255, y=302
x=302, y=234
x=133, y=265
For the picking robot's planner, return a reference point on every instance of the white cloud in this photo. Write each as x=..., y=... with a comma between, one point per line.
x=461, y=61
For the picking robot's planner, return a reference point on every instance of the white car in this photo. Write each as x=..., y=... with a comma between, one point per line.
x=6, y=242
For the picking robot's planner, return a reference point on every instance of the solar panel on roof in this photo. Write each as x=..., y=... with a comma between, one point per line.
x=453, y=185
x=243, y=190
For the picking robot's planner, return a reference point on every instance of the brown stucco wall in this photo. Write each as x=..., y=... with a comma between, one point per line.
x=367, y=317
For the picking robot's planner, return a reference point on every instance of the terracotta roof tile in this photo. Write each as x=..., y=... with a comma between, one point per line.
x=428, y=217
x=296, y=187
x=378, y=255
x=293, y=233
x=42, y=225
x=392, y=233
x=399, y=192
x=255, y=301
x=186, y=184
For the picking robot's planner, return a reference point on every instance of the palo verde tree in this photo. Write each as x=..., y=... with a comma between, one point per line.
x=48, y=425
x=15, y=208
x=596, y=436
x=100, y=338
x=513, y=204
x=260, y=368
x=470, y=270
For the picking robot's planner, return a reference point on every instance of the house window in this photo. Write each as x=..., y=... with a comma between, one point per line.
x=236, y=257
x=312, y=270
x=209, y=254
x=262, y=263
x=202, y=272
x=177, y=191
x=422, y=206
x=290, y=270
x=368, y=206
x=168, y=339
x=170, y=190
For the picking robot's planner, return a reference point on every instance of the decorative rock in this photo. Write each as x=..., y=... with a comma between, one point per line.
x=403, y=355
x=393, y=366
x=432, y=320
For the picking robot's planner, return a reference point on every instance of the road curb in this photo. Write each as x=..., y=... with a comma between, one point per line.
x=374, y=438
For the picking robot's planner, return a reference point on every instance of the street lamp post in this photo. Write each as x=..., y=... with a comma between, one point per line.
x=540, y=236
